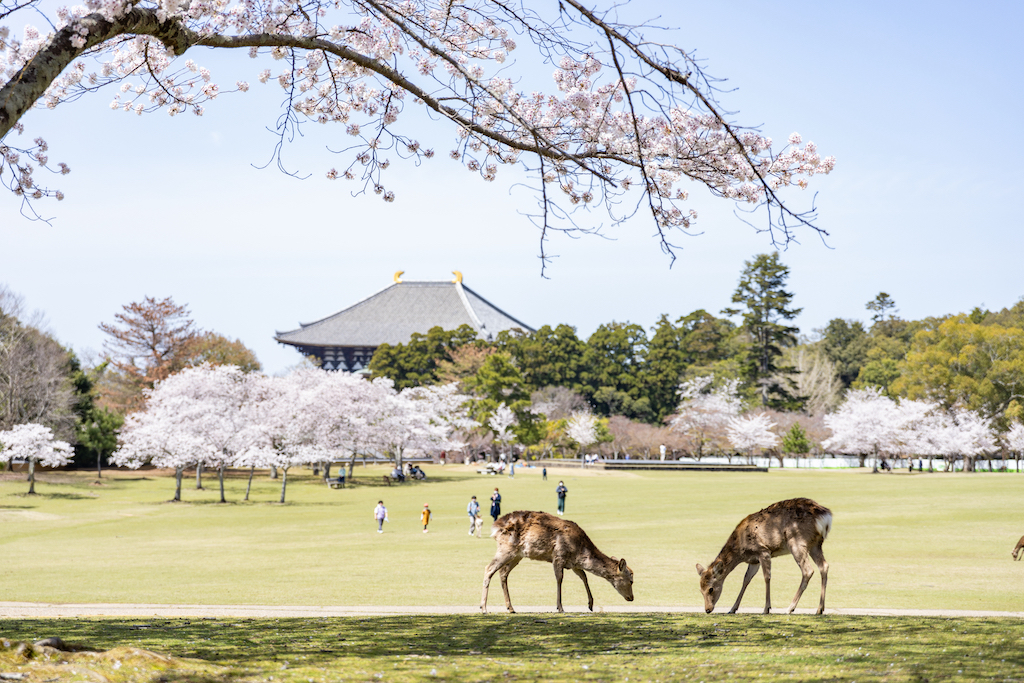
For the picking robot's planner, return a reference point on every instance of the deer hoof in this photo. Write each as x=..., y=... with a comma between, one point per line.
x=511, y=611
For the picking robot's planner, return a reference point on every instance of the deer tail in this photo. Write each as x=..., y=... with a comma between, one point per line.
x=824, y=524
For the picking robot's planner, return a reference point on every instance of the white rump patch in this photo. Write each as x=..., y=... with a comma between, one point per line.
x=824, y=524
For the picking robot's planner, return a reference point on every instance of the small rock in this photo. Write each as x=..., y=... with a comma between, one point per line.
x=54, y=642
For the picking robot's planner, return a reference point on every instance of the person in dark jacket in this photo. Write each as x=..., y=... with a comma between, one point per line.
x=495, y=505
x=561, y=491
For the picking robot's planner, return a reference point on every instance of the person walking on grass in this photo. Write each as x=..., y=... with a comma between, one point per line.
x=561, y=491
x=473, y=510
x=380, y=513
x=425, y=516
x=495, y=504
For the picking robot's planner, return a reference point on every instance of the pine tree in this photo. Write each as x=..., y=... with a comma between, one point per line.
x=767, y=307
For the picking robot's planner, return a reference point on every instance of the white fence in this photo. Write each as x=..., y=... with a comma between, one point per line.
x=844, y=462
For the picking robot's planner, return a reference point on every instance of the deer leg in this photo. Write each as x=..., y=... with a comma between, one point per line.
x=751, y=570
x=819, y=559
x=590, y=598
x=503, y=573
x=558, y=584
x=799, y=552
x=497, y=563
x=766, y=569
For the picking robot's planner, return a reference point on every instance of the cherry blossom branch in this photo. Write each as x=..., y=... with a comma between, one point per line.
x=585, y=139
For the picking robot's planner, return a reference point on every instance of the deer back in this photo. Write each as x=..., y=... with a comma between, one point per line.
x=542, y=536
x=772, y=528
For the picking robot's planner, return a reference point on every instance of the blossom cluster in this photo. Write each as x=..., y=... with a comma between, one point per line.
x=705, y=411
x=221, y=417
x=751, y=432
x=581, y=428
x=869, y=422
x=34, y=443
x=594, y=136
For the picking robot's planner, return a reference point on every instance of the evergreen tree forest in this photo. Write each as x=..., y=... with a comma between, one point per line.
x=631, y=376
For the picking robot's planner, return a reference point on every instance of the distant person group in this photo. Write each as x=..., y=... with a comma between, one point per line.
x=473, y=508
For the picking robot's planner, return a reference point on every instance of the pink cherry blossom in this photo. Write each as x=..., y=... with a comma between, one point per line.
x=621, y=116
x=34, y=444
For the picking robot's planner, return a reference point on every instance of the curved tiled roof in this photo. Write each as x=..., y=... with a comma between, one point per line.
x=392, y=315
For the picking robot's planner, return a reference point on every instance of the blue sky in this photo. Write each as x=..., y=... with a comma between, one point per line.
x=920, y=103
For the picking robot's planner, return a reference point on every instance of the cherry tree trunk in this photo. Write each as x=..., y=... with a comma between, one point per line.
x=284, y=481
x=178, y=472
x=199, y=476
x=31, y=475
x=351, y=467
x=220, y=478
x=248, y=487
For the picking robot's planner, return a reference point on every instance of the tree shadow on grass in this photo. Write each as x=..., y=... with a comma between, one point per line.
x=932, y=646
x=55, y=496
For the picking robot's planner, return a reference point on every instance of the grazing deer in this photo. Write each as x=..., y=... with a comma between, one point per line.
x=1017, y=554
x=541, y=536
x=797, y=527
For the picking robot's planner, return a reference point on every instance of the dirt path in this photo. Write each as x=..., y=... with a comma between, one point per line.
x=42, y=610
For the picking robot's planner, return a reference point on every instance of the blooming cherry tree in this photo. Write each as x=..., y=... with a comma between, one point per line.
x=867, y=423
x=296, y=421
x=704, y=412
x=34, y=443
x=418, y=418
x=501, y=422
x=581, y=427
x=973, y=436
x=622, y=116
x=752, y=432
x=218, y=398
x=162, y=434
x=870, y=423
x=1014, y=440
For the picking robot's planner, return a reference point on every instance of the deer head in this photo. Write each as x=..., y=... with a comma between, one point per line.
x=622, y=579
x=711, y=581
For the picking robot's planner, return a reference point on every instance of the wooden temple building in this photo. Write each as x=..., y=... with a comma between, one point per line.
x=347, y=339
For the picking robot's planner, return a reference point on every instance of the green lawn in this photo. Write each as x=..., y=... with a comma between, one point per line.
x=938, y=541
x=932, y=541
x=578, y=647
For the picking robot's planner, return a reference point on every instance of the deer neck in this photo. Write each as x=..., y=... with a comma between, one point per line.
x=728, y=559
x=597, y=563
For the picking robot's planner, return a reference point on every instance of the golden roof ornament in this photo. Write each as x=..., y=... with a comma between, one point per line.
x=398, y=275
x=458, y=275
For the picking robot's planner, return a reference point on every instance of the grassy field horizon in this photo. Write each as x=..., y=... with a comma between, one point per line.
x=900, y=541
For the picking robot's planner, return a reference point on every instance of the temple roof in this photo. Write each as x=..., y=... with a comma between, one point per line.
x=392, y=315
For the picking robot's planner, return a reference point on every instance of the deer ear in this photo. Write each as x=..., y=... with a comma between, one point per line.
x=700, y=569
x=622, y=565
